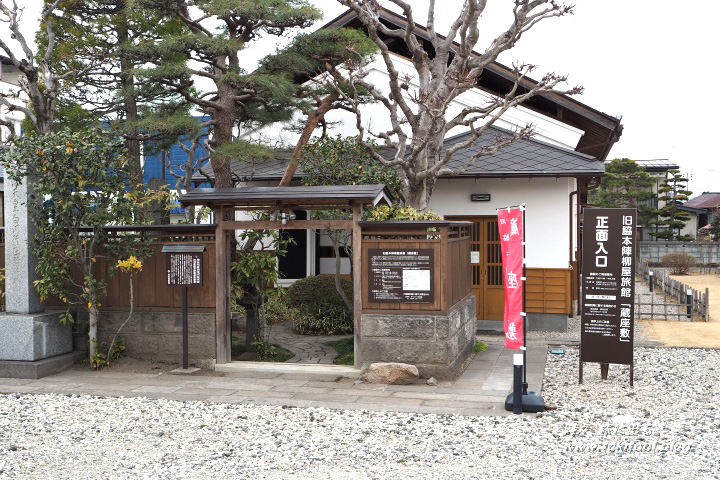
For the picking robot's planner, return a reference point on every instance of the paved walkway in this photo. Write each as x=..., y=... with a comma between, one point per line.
x=307, y=348
x=481, y=390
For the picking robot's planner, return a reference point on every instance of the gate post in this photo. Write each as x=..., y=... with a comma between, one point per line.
x=222, y=290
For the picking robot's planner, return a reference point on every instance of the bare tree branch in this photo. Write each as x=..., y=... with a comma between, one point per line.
x=418, y=100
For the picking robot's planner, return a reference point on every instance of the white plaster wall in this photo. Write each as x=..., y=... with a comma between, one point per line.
x=546, y=201
x=691, y=226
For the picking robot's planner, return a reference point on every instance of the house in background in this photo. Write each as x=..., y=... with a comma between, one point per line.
x=550, y=174
x=162, y=166
x=658, y=169
x=704, y=207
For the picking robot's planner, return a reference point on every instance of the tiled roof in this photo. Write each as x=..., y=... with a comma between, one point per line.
x=706, y=200
x=520, y=158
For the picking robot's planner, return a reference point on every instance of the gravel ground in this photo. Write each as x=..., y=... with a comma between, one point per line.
x=666, y=426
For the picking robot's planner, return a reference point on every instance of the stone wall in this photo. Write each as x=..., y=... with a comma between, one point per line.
x=703, y=252
x=157, y=336
x=436, y=344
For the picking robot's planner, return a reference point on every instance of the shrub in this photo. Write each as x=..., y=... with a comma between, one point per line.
x=480, y=347
x=679, y=263
x=320, y=309
x=277, y=310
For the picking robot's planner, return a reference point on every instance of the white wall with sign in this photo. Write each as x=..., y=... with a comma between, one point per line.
x=547, y=210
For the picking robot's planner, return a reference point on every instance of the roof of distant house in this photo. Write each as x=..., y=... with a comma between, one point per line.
x=706, y=200
x=655, y=165
x=521, y=158
x=5, y=60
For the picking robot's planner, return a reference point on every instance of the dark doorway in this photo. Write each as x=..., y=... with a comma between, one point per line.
x=294, y=264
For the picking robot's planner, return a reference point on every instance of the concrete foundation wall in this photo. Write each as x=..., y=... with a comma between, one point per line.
x=157, y=336
x=537, y=322
x=436, y=344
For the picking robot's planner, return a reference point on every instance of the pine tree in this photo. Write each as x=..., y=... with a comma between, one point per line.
x=100, y=37
x=674, y=193
x=327, y=64
x=626, y=185
x=210, y=47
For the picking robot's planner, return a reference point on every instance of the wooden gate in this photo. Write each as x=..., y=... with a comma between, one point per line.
x=487, y=283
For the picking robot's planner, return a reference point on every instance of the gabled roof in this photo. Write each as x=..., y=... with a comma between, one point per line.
x=706, y=200
x=521, y=158
x=601, y=130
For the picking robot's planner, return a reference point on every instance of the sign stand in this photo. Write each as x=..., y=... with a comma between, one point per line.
x=184, y=267
x=531, y=401
x=607, y=296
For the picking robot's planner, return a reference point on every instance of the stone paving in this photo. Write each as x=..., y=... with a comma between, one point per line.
x=307, y=348
x=480, y=390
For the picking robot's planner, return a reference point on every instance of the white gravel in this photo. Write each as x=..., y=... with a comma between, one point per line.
x=666, y=426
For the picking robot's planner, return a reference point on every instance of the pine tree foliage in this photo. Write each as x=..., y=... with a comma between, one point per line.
x=100, y=37
x=626, y=185
x=211, y=45
x=325, y=64
x=674, y=193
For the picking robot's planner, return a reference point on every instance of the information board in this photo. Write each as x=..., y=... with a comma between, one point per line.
x=401, y=275
x=608, y=285
x=184, y=269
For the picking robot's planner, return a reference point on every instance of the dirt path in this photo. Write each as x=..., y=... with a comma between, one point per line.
x=691, y=334
x=701, y=281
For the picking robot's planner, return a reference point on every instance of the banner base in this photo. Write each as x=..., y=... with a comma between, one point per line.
x=531, y=402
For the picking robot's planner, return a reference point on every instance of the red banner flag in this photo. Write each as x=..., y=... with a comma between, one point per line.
x=510, y=225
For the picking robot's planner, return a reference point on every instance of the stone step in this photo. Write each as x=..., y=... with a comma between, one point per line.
x=321, y=372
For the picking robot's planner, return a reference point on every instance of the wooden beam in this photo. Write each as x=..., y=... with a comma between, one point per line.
x=357, y=279
x=289, y=225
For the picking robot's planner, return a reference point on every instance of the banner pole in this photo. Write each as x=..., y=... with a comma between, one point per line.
x=524, y=306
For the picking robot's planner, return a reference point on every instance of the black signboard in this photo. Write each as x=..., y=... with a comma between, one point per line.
x=401, y=275
x=479, y=197
x=184, y=265
x=608, y=285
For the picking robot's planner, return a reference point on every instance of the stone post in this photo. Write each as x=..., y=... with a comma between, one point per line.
x=20, y=294
x=27, y=333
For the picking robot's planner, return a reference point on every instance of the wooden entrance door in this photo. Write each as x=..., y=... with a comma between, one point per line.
x=486, y=266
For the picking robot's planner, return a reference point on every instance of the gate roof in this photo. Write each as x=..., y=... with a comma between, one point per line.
x=331, y=195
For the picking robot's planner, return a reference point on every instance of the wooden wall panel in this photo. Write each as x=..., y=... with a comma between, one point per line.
x=548, y=290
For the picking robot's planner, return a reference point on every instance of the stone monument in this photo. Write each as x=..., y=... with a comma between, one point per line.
x=33, y=343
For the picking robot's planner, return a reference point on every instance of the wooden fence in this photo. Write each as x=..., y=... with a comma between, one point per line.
x=451, y=275
x=151, y=292
x=675, y=305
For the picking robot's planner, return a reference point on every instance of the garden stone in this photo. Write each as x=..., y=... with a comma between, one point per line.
x=391, y=374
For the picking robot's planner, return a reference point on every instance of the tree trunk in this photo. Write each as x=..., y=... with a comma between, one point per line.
x=311, y=123
x=93, y=330
x=338, y=278
x=222, y=135
x=127, y=84
x=416, y=195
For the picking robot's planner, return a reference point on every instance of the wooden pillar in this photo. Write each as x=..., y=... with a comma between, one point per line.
x=222, y=290
x=357, y=279
x=445, y=266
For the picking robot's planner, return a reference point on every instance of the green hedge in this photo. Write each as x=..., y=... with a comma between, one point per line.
x=320, y=309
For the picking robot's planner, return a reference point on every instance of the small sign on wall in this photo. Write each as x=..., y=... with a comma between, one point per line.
x=474, y=257
x=479, y=197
